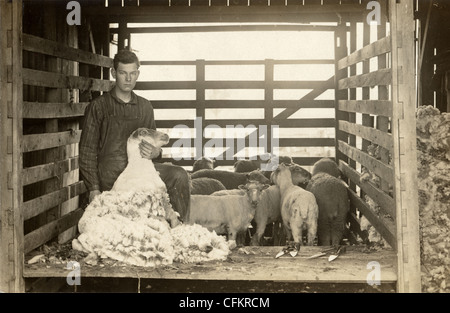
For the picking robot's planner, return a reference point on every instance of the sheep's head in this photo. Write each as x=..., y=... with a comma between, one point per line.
x=203, y=163
x=154, y=137
x=282, y=173
x=253, y=189
x=299, y=176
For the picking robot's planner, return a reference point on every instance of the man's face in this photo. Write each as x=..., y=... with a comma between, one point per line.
x=126, y=76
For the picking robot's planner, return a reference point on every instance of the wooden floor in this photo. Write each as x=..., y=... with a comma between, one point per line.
x=248, y=264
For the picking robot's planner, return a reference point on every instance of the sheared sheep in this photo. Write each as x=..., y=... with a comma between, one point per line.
x=267, y=210
x=299, y=209
x=203, y=163
x=205, y=186
x=229, y=214
x=332, y=198
x=231, y=180
x=326, y=165
x=130, y=222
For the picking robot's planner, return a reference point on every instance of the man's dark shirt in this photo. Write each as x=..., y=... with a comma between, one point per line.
x=95, y=128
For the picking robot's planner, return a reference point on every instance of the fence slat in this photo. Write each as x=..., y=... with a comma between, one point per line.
x=38, y=173
x=50, y=140
x=56, y=49
x=381, y=77
x=376, y=48
x=373, y=135
x=55, y=80
x=53, y=110
x=235, y=84
x=384, y=171
x=375, y=107
x=386, y=203
x=41, y=235
x=290, y=123
x=41, y=204
x=382, y=224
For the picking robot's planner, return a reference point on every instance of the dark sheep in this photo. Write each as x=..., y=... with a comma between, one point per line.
x=231, y=180
x=332, y=199
x=326, y=165
x=205, y=186
x=245, y=166
x=300, y=176
x=203, y=163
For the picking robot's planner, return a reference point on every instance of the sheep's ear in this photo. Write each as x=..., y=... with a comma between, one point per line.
x=242, y=187
x=266, y=186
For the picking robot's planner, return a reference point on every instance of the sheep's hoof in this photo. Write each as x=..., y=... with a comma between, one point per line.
x=232, y=244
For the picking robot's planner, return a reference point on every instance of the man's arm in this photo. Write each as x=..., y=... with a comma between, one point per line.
x=89, y=142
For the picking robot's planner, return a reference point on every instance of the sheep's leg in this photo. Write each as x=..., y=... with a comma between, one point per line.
x=232, y=234
x=260, y=228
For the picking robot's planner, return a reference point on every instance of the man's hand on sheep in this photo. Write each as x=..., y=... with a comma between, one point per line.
x=149, y=151
x=93, y=194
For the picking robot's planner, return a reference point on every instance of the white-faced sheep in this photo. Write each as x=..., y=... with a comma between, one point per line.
x=332, y=198
x=203, y=163
x=205, y=186
x=231, y=180
x=326, y=165
x=299, y=209
x=228, y=214
x=267, y=210
x=130, y=222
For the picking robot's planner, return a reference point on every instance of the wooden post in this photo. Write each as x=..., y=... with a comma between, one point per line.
x=404, y=154
x=11, y=197
x=200, y=107
x=269, y=68
x=340, y=43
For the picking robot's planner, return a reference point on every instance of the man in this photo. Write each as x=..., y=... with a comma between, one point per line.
x=109, y=121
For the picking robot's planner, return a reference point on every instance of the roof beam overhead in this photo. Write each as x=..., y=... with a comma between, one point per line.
x=230, y=14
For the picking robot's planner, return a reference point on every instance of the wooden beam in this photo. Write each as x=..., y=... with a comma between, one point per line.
x=41, y=204
x=375, y=107
x=405, y=154
x=53, y=110
x=11, y=159
x=60, y=50
x=50, y=140
x=225, y=28
x=385, y=226
x=381, y=77
x=386, y=202
x=41, y=235
x=42, y=172
x=56, y=80
x=373, y=135
x=291, y=13
x=384, y=171
x=382, y=46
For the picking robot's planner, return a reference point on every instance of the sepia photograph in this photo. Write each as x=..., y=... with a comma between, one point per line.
x=225, y=152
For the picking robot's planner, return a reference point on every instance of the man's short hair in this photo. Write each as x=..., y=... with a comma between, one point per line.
x=125, y=57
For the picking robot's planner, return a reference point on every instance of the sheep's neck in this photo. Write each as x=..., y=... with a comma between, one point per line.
x=284, y=182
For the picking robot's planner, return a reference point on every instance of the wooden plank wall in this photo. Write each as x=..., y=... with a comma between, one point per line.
x=364, y=78
x=59, y=79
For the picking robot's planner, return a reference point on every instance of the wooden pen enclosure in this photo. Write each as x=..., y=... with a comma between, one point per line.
x=50, y=71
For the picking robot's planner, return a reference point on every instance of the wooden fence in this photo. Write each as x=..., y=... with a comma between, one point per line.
x=264, y=109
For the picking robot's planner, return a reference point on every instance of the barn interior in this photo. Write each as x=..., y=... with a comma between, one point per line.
x=64, y=64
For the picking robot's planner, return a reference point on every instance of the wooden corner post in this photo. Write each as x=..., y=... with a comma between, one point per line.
x=404, y=154
x=11, y=217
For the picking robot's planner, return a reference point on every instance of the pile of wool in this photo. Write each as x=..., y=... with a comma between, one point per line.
x=433, y=158
x=195, y=243
x=132, y=227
